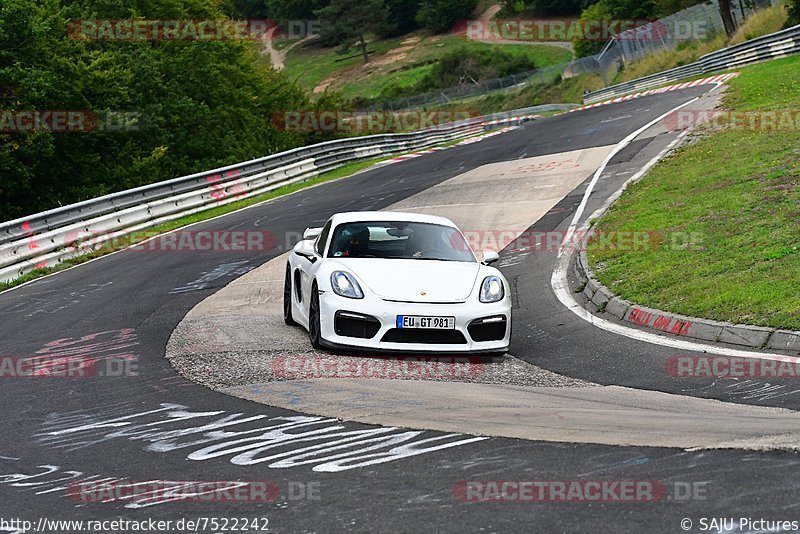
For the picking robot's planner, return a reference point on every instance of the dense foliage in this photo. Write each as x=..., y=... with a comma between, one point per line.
x=401, y=17
x=794, y=13
x=348, y=22
x=442, y=15
x=197, y=104
x=545, y=8
x=625, y=10
x=596, y=10
x=611, y=10
x=398, y=16
x=573, y=8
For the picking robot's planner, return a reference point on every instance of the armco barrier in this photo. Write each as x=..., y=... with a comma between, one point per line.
x=50, y=237
x=774, y=45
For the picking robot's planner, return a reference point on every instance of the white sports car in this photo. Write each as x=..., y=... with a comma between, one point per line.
x=392, y=281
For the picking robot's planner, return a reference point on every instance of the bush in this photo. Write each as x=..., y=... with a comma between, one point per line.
x=793, y=6
x=463, y=66
x=611, y=10
x=441, y=15
x=292, y=9
x=402, y=17
x=201, y=104
x=544, y=8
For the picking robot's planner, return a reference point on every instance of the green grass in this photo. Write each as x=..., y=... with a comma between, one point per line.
x=312, y=64
x=543, y=54
x=732, y=202
x=374, y=87
x=122, y=243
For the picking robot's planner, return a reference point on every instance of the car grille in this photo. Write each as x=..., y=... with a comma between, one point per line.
x=351, y=324
x=421, y=335
x=488, y=328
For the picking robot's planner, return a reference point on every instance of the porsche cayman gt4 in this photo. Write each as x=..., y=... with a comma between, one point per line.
x=396, y=282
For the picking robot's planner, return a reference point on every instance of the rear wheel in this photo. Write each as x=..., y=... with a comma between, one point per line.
x=287, y=297
x=314, y=334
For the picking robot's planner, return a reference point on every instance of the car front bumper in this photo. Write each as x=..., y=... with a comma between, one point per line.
x=387, y=338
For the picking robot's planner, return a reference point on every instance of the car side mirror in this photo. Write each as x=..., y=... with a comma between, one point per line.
x=305, y=249
x=311, y=233
x=490, y=256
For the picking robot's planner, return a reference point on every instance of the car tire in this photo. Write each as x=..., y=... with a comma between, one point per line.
x=287, y=297
x=314, y=328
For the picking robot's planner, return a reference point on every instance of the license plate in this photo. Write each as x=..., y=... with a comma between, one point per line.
x=430, y=322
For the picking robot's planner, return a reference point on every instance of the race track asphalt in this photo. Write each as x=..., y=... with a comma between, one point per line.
x=132, y=294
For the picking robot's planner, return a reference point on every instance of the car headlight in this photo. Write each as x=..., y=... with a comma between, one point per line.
x=492, y=289
x=345, y=285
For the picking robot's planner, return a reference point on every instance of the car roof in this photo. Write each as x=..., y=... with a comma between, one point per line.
x=367, y=216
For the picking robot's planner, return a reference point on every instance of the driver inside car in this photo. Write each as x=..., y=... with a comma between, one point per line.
x=423, y=245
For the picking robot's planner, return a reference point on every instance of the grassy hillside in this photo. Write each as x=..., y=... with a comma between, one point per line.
x=396, y=62
x=404, y=61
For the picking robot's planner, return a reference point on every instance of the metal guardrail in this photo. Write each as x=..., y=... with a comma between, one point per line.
x=48, y=238
x=779, y=44
x=646, y=82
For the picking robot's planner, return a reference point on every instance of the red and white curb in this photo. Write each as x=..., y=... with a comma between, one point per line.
x=720, y=78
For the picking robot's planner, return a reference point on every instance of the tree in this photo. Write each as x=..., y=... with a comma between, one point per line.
x=248, y=9
x=201, y=105
x=664, y=8
x=547, y=8
x=727, y=17
x=441, y=15
x=402, y=17
x=794, y=13
x=347, y=22
x=610, y=10
x=294, y=9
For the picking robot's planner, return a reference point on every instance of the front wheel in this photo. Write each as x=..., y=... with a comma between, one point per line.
x=287, y=297
x=314, y=329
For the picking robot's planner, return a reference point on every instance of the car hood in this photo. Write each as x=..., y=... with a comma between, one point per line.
x=415, y=280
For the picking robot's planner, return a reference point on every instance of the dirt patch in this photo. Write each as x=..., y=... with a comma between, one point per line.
x=372, y=68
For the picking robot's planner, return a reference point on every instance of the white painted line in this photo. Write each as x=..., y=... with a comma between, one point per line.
x=561, y=287
x=622, y=144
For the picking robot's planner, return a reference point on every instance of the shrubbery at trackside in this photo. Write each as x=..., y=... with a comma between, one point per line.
x=464, y=66
x=199, y=104
x=793, y=6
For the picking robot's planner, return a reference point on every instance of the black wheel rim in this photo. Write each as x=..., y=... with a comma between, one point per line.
x=287, y=295
x=313, y=323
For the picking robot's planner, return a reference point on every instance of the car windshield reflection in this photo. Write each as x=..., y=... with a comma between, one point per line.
x=399, y=240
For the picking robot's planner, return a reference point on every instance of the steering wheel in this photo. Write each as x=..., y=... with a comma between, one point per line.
x=431, y=251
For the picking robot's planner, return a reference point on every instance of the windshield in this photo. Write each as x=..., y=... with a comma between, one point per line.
x=399, y=239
